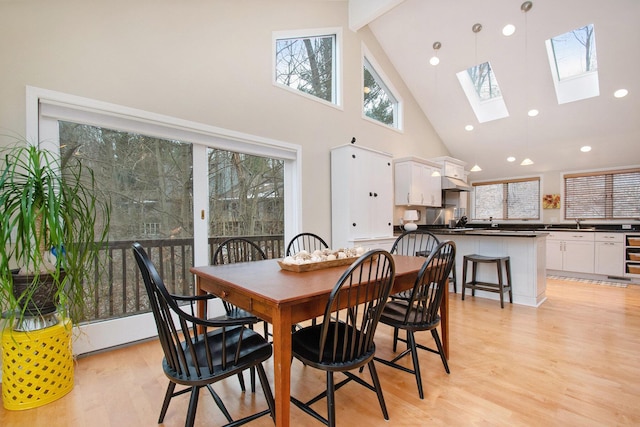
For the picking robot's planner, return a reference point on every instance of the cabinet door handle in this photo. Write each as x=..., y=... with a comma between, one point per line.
x=408, y=197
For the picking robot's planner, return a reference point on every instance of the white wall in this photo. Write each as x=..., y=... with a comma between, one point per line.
x=204, y=61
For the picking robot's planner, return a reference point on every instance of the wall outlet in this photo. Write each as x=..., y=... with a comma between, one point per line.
x=626, y=226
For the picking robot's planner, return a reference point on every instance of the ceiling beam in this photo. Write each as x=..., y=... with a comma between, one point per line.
x=361, y=12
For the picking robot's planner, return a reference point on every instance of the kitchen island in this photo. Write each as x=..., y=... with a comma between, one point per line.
x=527, y=250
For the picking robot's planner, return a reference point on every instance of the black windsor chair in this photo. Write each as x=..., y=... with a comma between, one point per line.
x=344, y=340
x=231, y=251
x=420, y=312
x=199, y=352
x=305, y=241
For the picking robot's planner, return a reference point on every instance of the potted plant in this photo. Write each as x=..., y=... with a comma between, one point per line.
x=53, y=228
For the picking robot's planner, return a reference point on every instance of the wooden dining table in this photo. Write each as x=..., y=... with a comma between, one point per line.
x=286, y=298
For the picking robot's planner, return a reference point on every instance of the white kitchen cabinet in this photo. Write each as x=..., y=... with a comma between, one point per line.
x=415, y=183
x=454, y=170
x=609, y=254
x=361, y=196
x=451, y=167
x=571, y=251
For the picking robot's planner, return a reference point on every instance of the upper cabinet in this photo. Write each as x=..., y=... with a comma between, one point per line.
x=453, y=168
x=417, y=182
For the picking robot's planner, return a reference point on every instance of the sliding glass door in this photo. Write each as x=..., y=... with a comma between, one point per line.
x=178, y=197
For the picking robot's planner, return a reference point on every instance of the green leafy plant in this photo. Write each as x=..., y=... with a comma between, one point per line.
x=53, y=225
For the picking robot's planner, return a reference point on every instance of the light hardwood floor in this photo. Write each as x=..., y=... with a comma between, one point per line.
x=574, y=361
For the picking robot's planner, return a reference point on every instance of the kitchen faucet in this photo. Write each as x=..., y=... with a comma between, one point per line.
x=578, y=223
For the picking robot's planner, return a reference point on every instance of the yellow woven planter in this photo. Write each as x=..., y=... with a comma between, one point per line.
x=37, y=366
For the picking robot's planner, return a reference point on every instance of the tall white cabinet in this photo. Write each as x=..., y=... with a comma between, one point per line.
x=361, y=198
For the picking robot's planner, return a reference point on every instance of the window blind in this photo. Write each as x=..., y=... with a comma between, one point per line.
x=604, y=195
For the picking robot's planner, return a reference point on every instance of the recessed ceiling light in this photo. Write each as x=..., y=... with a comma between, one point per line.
x=434, y=60
x=620, y=93
x=508, y=30
x=511, y=159
x=468, y=128
x=526, y=162
x=533, y=112
x=585, y=149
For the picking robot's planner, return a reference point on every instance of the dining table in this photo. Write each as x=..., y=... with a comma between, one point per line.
x=285, y=298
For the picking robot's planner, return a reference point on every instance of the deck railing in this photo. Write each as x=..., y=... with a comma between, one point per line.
x=123, y=294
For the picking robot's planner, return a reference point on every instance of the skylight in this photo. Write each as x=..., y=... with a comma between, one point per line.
x=481, y=87
x=574, y=64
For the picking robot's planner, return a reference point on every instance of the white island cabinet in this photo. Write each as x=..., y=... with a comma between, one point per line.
x=361, y=198
x=528, y=261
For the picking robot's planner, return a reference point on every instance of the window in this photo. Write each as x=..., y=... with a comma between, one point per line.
x=509, y=199
x=148, y=180
x=606, y=195
x=379, y=103
x=308, y=63
x=574, y=65
x=246, y=196
x=480, y=85
x=574, y=52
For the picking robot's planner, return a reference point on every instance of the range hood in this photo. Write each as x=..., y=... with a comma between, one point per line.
x=454, y=184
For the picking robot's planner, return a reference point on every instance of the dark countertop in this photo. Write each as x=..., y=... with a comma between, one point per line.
x=521, y=230
x=489, y=232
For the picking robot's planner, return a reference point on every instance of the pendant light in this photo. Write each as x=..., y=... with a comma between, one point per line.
x=434, y=59
x=476, y=29
x=526, y=7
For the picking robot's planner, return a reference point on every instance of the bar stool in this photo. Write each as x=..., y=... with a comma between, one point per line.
x=474, y=284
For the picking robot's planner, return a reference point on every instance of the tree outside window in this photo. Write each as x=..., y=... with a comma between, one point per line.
x=379, y=102
x=307, y=64
x=507, y=200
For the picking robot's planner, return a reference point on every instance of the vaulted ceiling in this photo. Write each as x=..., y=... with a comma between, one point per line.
x=407, y=29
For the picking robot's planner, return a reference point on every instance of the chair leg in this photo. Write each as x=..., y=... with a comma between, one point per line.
x=193, y=406
x=219, y=403
x=331, y=404
x=395, y=339
x=507, y=264
x=378, y=387
x=416, y=362
x=241, y=381
x=266, y=388
x=453, y=275
x=436, y=338
x=464, y=276
x=500, y=284
x=252, y=373
x=167, y=398
x=474, y=275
